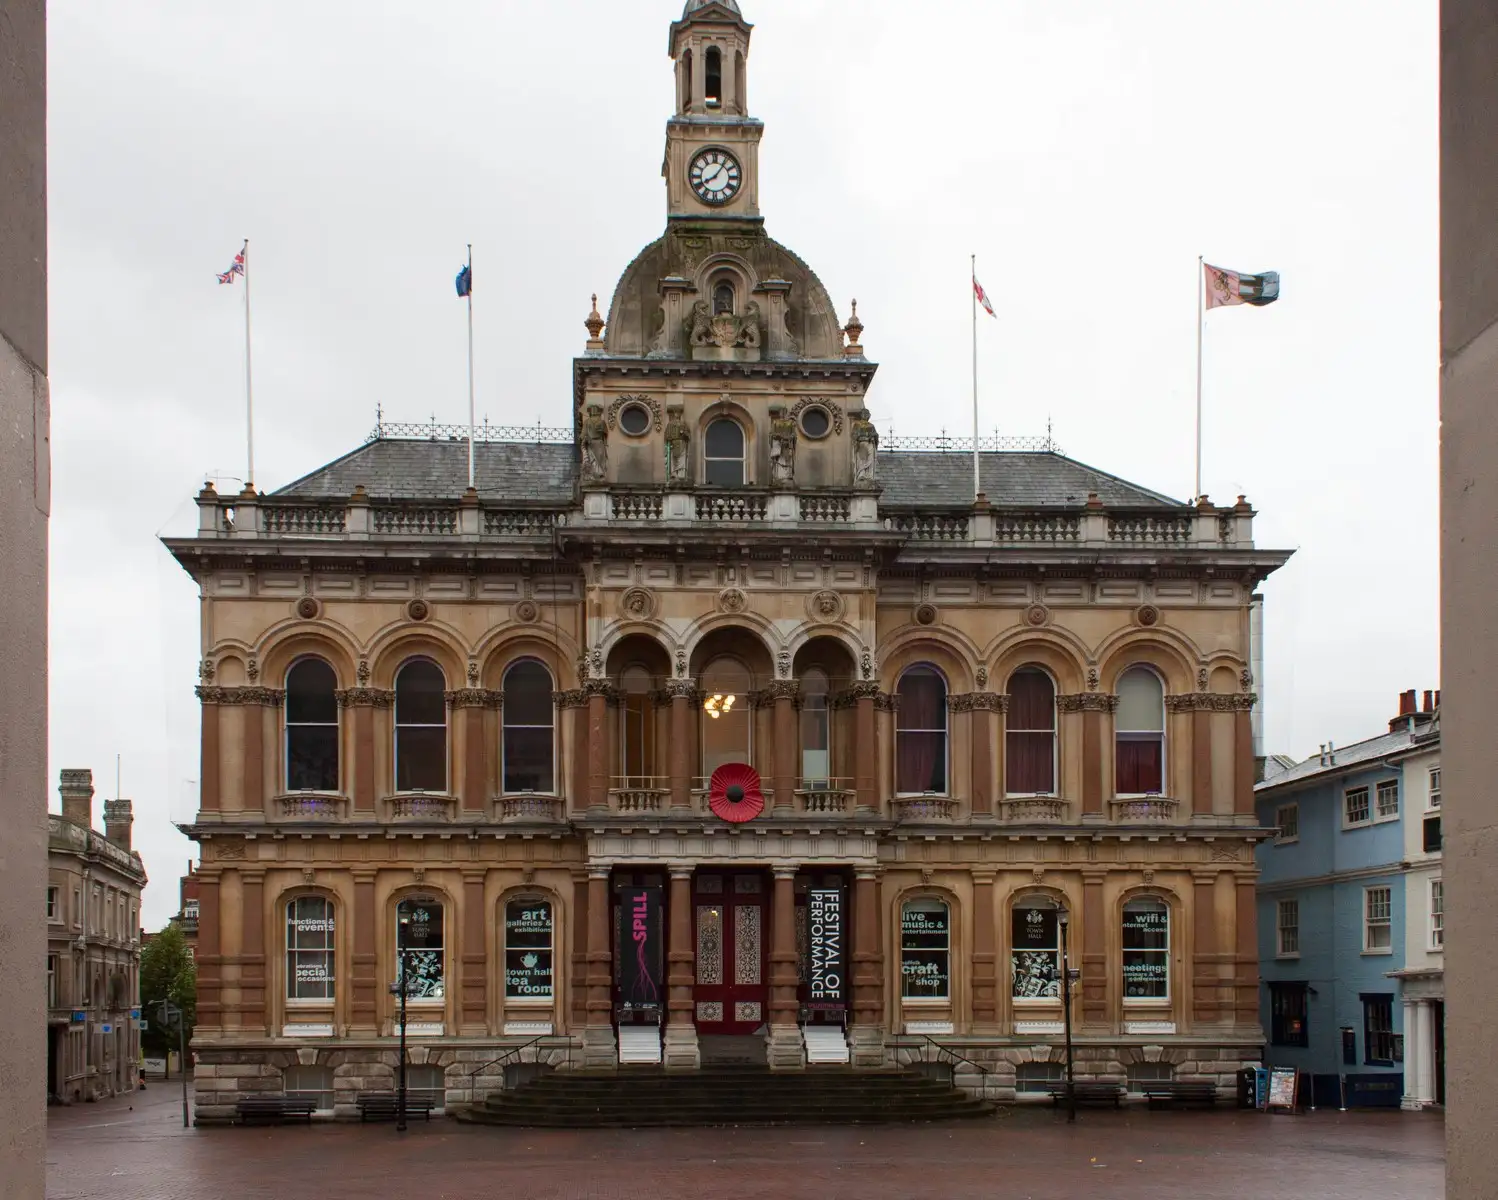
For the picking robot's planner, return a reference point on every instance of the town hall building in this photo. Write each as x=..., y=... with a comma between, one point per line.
x=713, y=723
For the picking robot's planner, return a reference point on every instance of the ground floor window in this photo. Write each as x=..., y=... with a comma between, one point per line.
x=925, y=950
x=310, y=1083
x=1037, y=1076
x=528, y=934
x=428, y=1083
x=419, y=948
x=1378, y=1028
x=1146, y=950
x=1036, y=950
x=1287, y=1014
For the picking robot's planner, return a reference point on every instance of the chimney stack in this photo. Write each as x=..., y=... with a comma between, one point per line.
x=118, y=817
x=76, y=787
x=1407, y=703
x=1428, y=706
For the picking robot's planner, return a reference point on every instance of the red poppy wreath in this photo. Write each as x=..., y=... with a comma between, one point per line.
x=734, y=793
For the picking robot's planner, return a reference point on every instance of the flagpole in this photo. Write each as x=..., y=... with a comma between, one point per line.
x=249, y=391
x=973, y=297
x=1200, y=321
x=470, y=365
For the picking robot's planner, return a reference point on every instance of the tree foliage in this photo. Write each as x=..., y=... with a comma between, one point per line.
x=167, y=972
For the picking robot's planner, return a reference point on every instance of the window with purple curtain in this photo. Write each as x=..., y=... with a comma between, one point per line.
x=921, y=733
x=1139, y=734
x=1030, y=734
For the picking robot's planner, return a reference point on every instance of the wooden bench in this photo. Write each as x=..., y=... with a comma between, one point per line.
x=385, y=1106
x=275, y=1109
x=1164, y=1092
x=1087, y=1092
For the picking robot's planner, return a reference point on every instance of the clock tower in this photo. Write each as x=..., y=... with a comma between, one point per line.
x=711, y=166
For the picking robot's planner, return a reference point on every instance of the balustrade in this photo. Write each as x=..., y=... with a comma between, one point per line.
x=924, y=808
x=415, y=520
x=1034, y=809
x=1144, y=808
x=530, y=808
x=821, y=798
x=731, y=508
x=304, y=519
x=309, y=806
x=421, y=806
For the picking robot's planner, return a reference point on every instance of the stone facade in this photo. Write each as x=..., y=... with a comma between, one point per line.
x=716, y=676
x=94, y=885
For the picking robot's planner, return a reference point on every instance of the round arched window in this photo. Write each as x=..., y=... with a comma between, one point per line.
x=634, y=419
x=723, y=454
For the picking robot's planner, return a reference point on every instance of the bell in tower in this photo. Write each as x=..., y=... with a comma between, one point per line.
x=712, y=144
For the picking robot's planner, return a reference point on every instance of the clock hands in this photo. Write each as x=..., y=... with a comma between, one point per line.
x=711, y=173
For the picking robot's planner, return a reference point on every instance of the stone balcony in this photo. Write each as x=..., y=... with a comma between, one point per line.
x=1132, y=810
x=420, y=806
x=530, y=809
x=311, y=806
x=730, y=506
x=1034, y=810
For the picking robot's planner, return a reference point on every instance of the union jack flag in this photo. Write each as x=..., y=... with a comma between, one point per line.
x=236, y=269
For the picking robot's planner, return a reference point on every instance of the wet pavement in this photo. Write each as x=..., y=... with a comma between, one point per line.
x=134, y=1148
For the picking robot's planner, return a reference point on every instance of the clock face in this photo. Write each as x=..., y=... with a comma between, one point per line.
x=715, y=176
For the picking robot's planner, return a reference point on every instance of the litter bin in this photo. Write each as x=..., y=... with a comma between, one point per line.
x=1248, y=1087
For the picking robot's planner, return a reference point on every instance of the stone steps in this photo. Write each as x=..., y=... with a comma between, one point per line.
x=724, y=1095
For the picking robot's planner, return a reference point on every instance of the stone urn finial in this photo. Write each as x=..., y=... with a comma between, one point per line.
x=854, y=330
x=594, y=325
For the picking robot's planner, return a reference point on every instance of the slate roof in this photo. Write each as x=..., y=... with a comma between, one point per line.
x=1011, y=479
x=543, y=473
x=398, y=469
x=1358, y=753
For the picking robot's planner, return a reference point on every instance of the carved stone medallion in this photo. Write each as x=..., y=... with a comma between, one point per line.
x=732, y=600
x=418, y=610
x=1147, y=615
x=308, y=608
x=1037, y=615
x=925, y=614
x=826, y=606
x=637, y=604
x=527, y=611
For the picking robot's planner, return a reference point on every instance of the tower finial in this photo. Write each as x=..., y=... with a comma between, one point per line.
x=594, y=325
x=854, y=330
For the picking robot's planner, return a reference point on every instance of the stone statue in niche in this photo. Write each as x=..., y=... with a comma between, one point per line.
x=595, y=445
x=782, y=448
x=678, y=443
x=865, y=446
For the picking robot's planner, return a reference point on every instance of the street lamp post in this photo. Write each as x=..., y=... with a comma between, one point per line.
x=402, y=988
x=1063, y=918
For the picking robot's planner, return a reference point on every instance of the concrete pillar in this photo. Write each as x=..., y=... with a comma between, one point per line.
x=474, y=1011
x=681, y=1051
x=598, y=745
x=1412, y=1053
x=866, y=749
x=365, y=1013
x=785, y=1049
x=985, y=966
x=1425, y=1075
x=599, y=1047
x=786, y=745
x=683, y=693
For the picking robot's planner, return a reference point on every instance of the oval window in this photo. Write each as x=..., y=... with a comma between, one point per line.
x=815, y=422
x=634, y=419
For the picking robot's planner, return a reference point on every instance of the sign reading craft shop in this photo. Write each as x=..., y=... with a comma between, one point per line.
x=826, y=969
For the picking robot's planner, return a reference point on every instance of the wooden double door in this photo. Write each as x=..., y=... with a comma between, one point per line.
x=731, y=932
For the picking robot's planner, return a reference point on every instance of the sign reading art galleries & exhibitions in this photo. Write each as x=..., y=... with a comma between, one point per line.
x=826, y=968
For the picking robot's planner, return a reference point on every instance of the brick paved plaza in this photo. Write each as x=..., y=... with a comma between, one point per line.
x=113, y=1152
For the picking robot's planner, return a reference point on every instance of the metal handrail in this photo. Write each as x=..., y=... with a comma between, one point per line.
x=925, y=1040
x=504, y=1059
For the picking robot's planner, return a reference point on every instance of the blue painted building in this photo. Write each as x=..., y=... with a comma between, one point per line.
x=1349, y=915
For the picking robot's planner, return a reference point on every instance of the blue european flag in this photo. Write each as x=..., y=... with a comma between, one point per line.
x=465, y=282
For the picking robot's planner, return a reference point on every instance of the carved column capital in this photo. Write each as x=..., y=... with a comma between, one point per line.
x=1087, y=702
x=683, y=689
x=979, y=702
x=1211, y=702
x=263, y=696
x=572, y=698
x=475, y=698
x=365, y=697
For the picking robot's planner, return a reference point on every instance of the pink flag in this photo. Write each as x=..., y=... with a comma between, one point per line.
x=983, y=297
x=1231, y=287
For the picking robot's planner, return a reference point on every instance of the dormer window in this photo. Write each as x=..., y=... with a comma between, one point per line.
x=723, y=299
x=714, y=81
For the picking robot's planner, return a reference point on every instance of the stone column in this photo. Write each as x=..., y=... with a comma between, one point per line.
x=598, y=743
x=208, y=960
x=867, y=1031
x=980, y=793
x=1245, y=951
x=1243, y=756
x=365, y=1010
x=681, y=1053
x=1204, y=977
x=577, y=976
x=208, y=770
x=599, y=1047
x=1201, y=761
x=360, y=703
x=683, y=694
x=472, y=702
x=254, y=1012
x=786, y=1052
x=474, y=1010
x=1095, y=708
x=1425, y=1076
x=985, y=960
x=866, y=747
x=572, y=721
x=252, y=712
x=784, y=773
x=1095, y=981
x=1414, y=1050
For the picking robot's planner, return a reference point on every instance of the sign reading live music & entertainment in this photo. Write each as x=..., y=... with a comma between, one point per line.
x=639, y=957
x=826, y=970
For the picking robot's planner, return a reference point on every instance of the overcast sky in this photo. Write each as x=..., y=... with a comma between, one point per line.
x=1087, y=152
